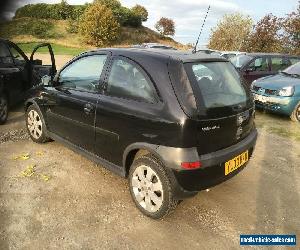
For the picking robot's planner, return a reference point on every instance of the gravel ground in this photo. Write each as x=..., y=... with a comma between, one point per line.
x=68, y=202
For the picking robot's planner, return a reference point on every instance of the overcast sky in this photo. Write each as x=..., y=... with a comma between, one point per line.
x=189, y=14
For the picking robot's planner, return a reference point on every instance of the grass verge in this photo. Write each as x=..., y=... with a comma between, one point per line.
x=57, y=49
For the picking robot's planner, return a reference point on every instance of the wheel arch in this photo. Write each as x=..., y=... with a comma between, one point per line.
x=136, y=149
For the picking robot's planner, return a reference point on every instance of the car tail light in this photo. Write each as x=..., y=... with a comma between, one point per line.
x=191, y=165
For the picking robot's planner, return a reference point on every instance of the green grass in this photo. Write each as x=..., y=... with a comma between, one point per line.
x=285, y=133
x=57, y=49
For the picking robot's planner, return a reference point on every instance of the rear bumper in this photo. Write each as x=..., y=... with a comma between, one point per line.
x=187, y=183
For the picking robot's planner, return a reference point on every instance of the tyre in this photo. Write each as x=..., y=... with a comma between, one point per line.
x=3, y=109
x=150, y=187
x=35, y=125
x=295, y=116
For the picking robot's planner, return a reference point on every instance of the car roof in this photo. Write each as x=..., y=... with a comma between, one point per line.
x=269, y=54
x=177, y=55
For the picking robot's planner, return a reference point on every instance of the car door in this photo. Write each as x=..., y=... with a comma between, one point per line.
x=256, y=68
x=13, y=71
x=38, y=67
x=279, y=63
x=72, y=101
x=129, y=100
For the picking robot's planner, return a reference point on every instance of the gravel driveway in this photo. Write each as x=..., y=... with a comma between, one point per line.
x=58, y=199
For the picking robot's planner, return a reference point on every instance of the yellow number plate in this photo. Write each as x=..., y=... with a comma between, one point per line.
x=236, y=162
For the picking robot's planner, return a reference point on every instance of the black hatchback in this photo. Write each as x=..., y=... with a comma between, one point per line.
x=172, y=122
x=18, y=74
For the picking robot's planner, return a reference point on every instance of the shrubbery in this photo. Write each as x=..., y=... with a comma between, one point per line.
x=98, y=25
x=39, y=28
x=63, y=11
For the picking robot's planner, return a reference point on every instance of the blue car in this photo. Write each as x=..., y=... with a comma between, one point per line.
x=279, y=93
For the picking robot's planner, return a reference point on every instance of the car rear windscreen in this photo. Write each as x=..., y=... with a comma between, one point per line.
x=218, y=83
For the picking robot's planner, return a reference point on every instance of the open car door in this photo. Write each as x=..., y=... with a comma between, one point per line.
x=39, y=69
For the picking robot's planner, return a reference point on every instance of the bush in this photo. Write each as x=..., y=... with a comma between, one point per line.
x=61, y=11
x=73, y=26
x=41, y=29
x=141, y=12
x=98, y=25
x=28, y=26
x=127, y=17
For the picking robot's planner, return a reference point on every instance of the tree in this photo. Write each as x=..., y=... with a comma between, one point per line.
x=291, y=37
x=165, y=26
x=64, y=10
x=112, y=4
x=231, y=32
x=141, y=11
x=266, y=35
x=98, y=25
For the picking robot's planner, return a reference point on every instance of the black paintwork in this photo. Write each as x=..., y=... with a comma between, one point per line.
x=110, y=129
x=17, y=78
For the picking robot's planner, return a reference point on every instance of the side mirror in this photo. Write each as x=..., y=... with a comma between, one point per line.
x=46, y=80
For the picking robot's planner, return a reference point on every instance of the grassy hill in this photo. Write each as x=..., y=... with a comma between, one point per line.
x=27, y=32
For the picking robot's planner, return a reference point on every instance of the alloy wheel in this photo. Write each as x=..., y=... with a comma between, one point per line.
x=34, y=124
x=147, y=188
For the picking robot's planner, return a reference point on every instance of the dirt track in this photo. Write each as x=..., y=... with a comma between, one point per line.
x=83, y=206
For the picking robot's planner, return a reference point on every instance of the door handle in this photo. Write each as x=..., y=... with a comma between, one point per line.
x=88, y=108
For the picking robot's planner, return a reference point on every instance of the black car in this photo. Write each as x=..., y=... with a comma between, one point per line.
x=18, y=74
x=173, y=122
x=256, y=65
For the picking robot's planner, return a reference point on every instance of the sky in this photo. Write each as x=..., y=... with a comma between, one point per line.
x=189, y=14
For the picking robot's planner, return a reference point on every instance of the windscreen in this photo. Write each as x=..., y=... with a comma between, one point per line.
x=218, y=82
x=240, y=60
x=293, y=70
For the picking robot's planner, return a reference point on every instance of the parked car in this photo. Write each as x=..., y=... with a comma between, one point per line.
x=18, y=74
x=153, y=46
x=172, y=122
x=231, y=54
x=256, y=65
x=280, y=93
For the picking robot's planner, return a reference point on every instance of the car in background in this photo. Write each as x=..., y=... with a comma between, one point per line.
x=172, y=122
x=279, y=93
x=256, y=65
x=153, y=46
x=18, y=74
x=231, y=54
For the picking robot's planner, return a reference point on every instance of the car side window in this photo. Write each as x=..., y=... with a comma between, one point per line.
x=17, y=56
x=5, y=56
x=294, y=60
x=259, y=64
x=127, y=80
x=83, y=74
x=279, y=63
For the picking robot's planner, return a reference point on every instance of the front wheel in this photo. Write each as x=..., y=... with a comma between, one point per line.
x=35, y=125
x=3, y=109
x=295, y=116
x=150, y=187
